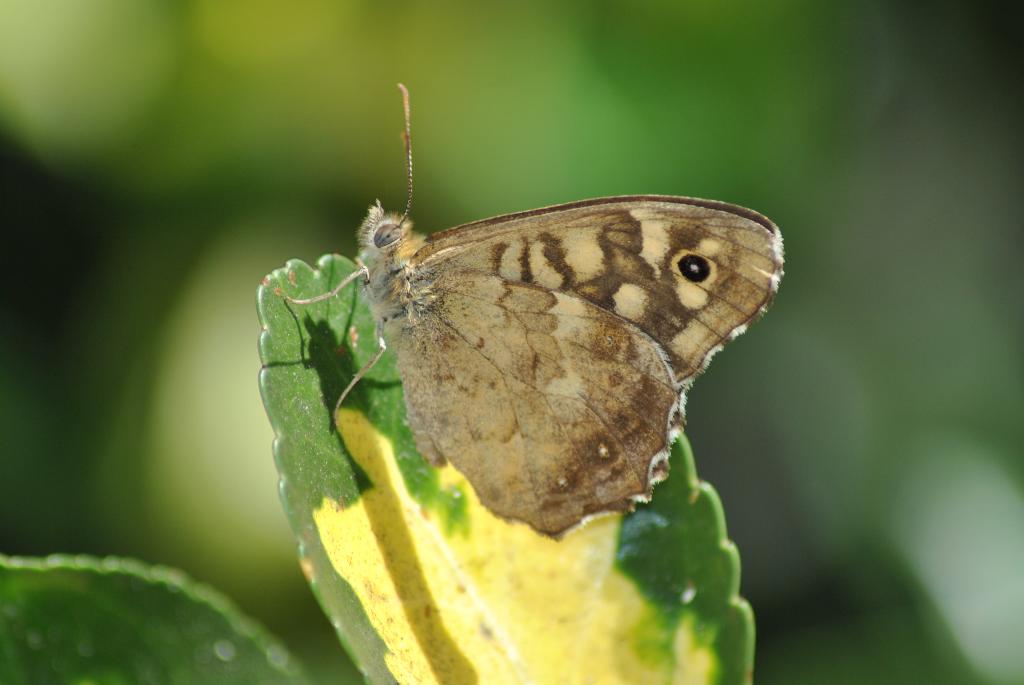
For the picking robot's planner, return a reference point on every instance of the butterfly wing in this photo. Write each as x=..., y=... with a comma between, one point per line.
x=548, y=352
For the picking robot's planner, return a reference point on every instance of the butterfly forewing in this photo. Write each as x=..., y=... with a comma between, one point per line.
x=627, y=255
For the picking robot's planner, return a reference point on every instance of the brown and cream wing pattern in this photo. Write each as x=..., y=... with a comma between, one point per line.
x=549, y=350
x=628, y=255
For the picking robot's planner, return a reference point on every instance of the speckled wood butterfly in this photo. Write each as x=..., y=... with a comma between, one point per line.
x=547, y=353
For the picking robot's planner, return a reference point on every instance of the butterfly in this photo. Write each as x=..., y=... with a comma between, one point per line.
x=547, y=354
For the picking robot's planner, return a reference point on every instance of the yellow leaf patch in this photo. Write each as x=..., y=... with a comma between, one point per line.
x=498, y=603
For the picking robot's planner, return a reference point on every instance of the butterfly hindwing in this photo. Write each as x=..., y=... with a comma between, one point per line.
x=550, y=406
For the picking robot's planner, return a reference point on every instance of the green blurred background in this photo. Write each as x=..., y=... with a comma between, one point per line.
x=158, y=158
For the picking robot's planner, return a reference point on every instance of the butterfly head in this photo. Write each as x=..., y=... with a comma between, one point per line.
x=383, y=232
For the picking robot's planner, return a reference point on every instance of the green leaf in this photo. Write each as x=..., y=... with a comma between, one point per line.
x=425, y=585
x=700, y=580
x=112, y=621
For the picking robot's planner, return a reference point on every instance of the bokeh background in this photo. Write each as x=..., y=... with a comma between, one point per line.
x=158, y=158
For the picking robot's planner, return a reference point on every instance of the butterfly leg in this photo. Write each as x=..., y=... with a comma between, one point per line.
x=361, y=271
x=381, y=347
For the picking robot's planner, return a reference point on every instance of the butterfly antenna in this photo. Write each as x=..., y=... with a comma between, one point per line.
x=408, y=152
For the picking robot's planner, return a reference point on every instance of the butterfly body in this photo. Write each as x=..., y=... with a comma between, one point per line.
x=546, y=354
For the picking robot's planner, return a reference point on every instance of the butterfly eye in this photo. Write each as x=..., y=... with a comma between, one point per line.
x=386, y=234
x=694, y=268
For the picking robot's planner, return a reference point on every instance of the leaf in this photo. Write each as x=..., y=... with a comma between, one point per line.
x=424, y=585
x=112, y=621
